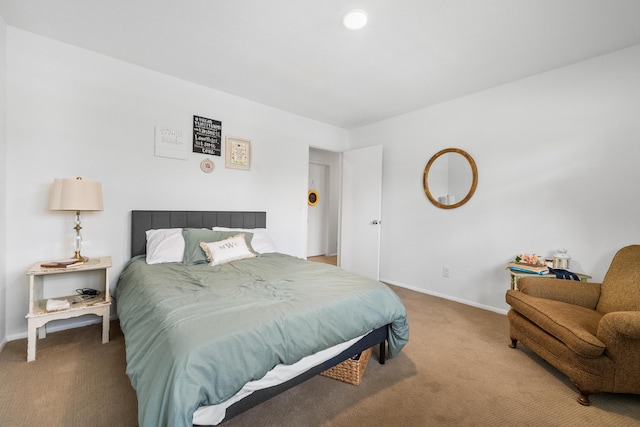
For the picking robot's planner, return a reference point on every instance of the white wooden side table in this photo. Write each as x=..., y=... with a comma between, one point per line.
x=515, y=275
x=38, y=315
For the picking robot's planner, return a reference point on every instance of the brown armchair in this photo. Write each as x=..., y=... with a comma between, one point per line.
x=588, y=331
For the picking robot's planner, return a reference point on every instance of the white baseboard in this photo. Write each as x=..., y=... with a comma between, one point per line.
x=3, y=343
x=449, y=297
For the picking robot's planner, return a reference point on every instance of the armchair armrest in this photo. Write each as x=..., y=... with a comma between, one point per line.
x=570, y=291
x=623, y=323
x=620, y=332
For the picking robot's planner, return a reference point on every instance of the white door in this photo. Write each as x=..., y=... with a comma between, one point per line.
x=361, y=211
x=317, y=227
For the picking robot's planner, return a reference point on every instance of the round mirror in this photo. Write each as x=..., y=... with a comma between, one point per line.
x=450, y=178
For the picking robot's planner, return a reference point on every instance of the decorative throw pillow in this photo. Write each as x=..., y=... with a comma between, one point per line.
x=227, y=250
x=165, y=245
x=193, y=253
x=261, y=241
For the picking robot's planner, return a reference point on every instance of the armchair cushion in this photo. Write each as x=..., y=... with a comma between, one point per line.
x=574, y=325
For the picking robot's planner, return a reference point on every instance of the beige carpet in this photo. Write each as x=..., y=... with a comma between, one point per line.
x=457, y=370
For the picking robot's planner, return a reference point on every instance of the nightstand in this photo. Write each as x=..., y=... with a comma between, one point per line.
x=38, y=315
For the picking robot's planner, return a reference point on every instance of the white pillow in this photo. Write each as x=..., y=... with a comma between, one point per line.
x=165, y=245
x=260, y=242
x=227, y=250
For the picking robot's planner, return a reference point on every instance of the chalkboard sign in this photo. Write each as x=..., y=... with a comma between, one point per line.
x=207, y=136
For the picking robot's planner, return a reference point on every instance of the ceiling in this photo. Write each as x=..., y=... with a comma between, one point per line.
x=295, y=54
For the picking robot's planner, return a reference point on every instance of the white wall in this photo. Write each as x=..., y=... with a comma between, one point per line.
x=74, y=112
x=3, y=181
x=557, y=158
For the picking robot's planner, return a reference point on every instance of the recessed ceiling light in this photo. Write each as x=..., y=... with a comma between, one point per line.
x=355, y=19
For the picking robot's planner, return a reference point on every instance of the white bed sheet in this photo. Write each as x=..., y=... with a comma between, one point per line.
x=214, y=414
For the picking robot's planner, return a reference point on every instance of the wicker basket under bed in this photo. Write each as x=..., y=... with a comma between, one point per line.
x=351, y=370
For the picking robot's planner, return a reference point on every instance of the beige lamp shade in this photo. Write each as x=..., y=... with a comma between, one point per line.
x=76, y=194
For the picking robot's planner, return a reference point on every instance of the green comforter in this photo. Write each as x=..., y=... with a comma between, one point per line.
x=196, y=334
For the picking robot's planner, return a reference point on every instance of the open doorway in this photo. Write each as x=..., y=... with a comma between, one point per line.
x=318, y=210
x=323, y=216
x=350, y=224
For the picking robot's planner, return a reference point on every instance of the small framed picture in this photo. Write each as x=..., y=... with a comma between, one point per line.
x=237, y=153
x=207, y=166
x=313, y=197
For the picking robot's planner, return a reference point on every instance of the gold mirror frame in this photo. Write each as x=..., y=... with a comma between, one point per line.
x=474, y=178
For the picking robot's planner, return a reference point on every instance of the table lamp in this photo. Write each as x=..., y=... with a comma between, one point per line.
x=76, y=194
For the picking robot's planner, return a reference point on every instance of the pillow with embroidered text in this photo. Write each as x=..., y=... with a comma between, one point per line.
x=227, y=250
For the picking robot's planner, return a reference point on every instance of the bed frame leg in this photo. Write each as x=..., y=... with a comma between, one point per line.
x=383, y=352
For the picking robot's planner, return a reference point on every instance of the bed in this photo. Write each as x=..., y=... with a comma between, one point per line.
x=207, y=338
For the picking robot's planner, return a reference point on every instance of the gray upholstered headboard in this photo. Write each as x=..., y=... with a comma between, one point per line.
x=142, y=221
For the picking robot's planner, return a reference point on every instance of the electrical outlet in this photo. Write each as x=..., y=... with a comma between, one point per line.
x=446, y=271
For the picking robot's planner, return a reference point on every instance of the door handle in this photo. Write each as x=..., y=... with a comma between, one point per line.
x=375, y=222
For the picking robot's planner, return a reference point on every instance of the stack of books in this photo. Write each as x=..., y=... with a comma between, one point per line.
x=522, y=267
x=63, y=264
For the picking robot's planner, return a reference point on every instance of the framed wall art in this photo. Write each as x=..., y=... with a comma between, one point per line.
x=312, y=197
x=171, y=142
x=237, y=153
x=207, y=136
x=207, y=166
